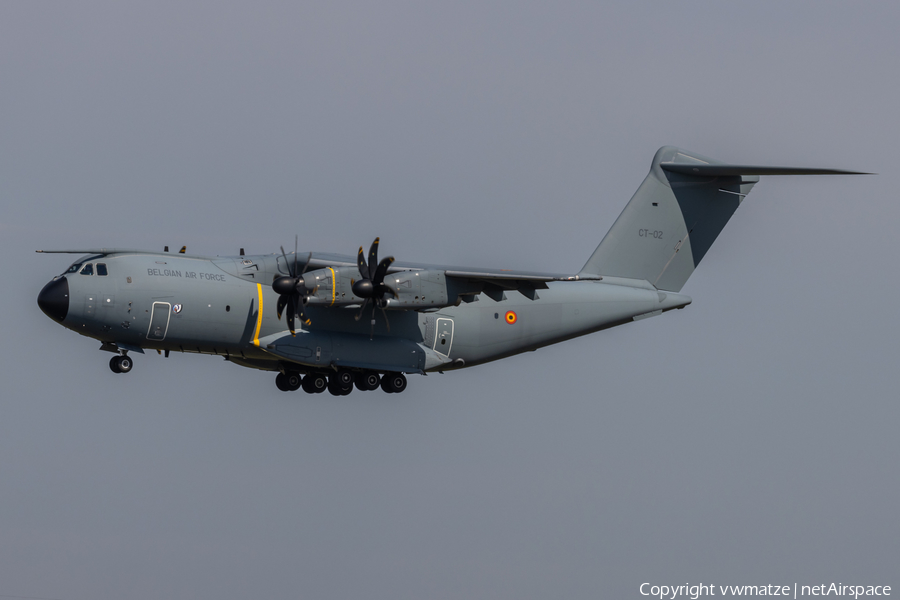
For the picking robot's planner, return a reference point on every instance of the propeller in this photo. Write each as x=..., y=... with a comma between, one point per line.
x=292, y=290
x=371, y=284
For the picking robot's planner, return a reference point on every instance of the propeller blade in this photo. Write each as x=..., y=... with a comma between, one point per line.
x=381, y=270
x=361, y=264
x=306, y=266
x=282, y=301
x=287, y=264
x=386, y=322
x=290, y=314
x=360, y=313
x=383, y=288
x=302, y=315
x=373, y=258
x=294, y=272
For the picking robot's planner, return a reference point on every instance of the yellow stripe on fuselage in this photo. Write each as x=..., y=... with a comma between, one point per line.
x=333, y=286
x=258, y=315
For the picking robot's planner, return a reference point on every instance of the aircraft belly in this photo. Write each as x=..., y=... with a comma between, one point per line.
x=325, y=349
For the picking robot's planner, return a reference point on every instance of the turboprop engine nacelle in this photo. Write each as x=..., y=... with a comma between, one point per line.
x=331, y=286
x=425, y=288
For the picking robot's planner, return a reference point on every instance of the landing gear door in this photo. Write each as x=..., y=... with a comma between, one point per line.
x=443, y=338
x=159, y=321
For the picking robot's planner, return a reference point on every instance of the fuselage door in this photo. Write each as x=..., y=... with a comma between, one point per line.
x=159, y=321
x=443, y=338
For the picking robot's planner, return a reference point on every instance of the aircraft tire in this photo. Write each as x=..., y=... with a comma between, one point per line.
x=293, y=381
x=114, y=364
x=314, y=383
x=393, y=383
x=398, y=382
x=334, y=388
x=345, y=378
x=124, y=364
x=281, y=382
x=366, y=382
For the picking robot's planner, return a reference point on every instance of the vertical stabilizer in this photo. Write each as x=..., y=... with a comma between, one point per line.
x=670, y=222
x=675, y=216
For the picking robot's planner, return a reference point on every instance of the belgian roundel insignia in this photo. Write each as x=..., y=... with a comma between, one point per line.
x=511, y=317
x=176, y=309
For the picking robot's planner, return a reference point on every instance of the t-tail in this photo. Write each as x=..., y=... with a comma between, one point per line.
x=676, y=215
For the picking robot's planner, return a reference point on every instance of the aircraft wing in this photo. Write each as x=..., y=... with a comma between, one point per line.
x=322, y=260
x=493, y=282
x=91, y=251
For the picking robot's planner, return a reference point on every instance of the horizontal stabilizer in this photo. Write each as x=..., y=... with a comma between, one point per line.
x=738, y=170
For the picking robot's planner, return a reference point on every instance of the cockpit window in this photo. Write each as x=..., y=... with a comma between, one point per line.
x=101, y=269
x=74, y=268
x=88, y=269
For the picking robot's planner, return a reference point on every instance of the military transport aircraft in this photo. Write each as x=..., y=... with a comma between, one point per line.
x=366, y=323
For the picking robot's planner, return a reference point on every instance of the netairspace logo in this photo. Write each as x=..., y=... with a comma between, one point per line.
x=672, y=592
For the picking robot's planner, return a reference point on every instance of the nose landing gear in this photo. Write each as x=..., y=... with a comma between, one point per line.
x=120, y=364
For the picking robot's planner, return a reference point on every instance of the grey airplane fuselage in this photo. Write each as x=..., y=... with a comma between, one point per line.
x=365, y=323
x=226, y=306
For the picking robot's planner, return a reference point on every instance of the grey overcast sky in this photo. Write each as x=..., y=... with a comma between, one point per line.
x=749, y=439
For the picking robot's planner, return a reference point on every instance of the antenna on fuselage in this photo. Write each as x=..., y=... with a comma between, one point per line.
x=242, y=251
x=166, y=249
x=183, y=250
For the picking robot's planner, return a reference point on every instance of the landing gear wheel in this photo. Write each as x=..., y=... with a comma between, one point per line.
x=345, y=378
x=393, y=383
x=366, y=382
x=114, y=364
x=337, y=388
x=281, y=382
x=314, y=383
x=124, y=364
x=293, y=381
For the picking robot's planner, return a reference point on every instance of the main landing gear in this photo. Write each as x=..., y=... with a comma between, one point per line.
x=288, y=382
x=120, y=364
x=341, y=382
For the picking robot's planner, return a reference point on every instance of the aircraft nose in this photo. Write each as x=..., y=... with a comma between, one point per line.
x=54, y=299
